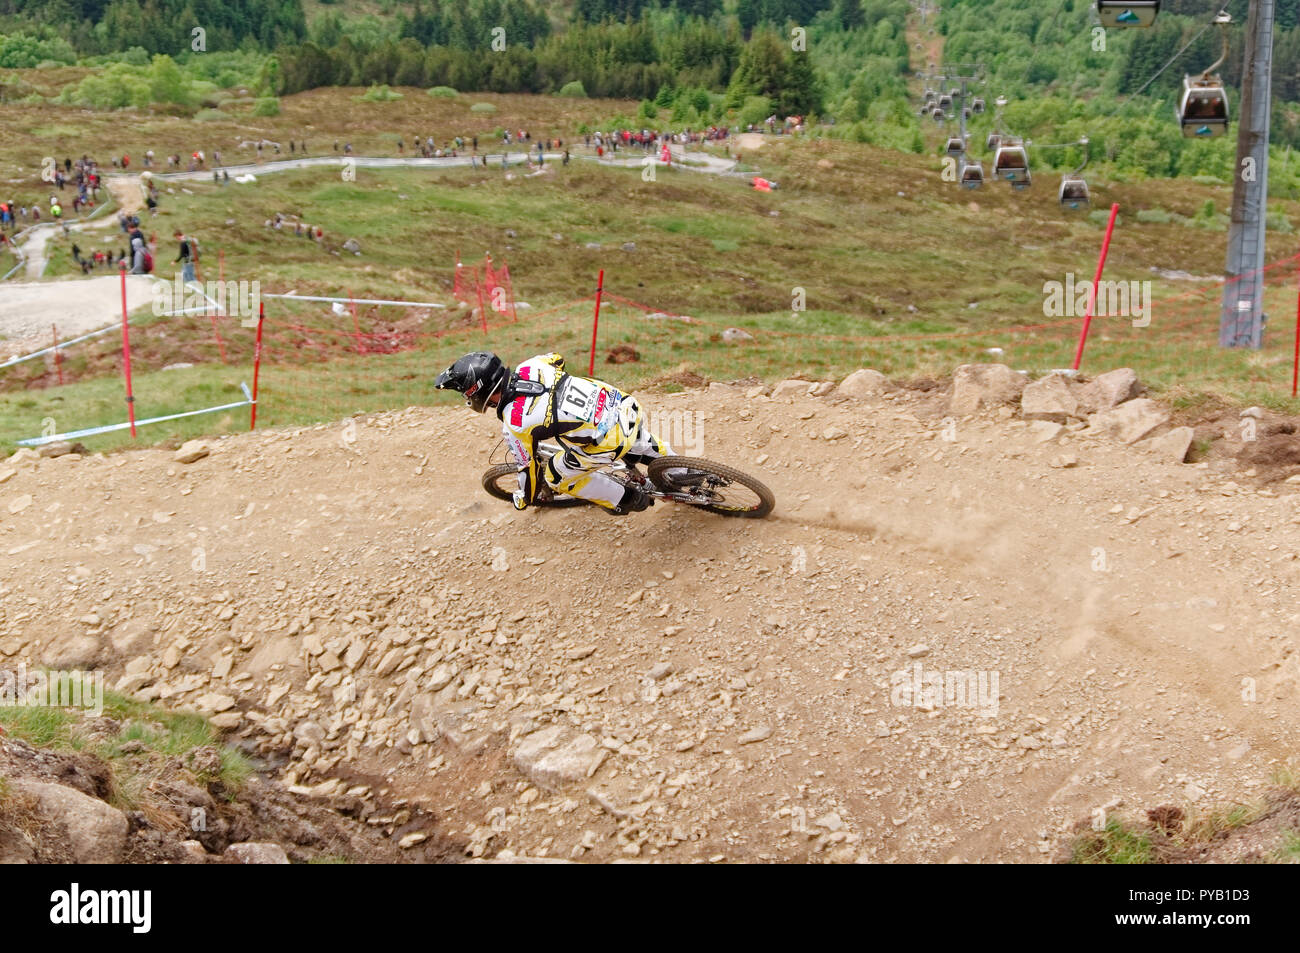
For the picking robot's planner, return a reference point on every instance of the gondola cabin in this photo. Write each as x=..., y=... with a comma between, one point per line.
x=965, y=112
x=977, y=106
x=991, y=144
x=1203, y=110
x=1134, y=13
x=1011, y=162
x=945, y=102
x=972, y=175
x=955, y=146
x=1074, y=193
x=937, y=114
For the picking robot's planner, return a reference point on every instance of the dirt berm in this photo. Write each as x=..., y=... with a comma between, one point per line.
x=1111, y=628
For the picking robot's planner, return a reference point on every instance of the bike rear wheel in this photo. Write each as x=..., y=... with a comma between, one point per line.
x=720, y=489
x=502, y=480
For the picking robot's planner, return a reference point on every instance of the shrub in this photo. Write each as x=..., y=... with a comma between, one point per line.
x=575, y=90
x=380, y=94
x=1278, y=222
x=267, y=106
x=755, y=110
x=487, y=108
x=1154, y=216
x=445, y=92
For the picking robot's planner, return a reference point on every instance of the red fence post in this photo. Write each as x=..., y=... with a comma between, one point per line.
x=257, y=364
x=356, y=327
x=510, y=291
x=1092, y=295
x=482, y=307
x=126, y=354
x=58, y=358
x=595, y=323
x=1295, y=361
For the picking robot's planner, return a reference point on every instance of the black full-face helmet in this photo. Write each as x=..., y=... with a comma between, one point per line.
x=478, y=376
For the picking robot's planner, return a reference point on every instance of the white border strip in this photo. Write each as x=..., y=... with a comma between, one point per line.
x=298, y=297
x=54, y=347
x=38, y=441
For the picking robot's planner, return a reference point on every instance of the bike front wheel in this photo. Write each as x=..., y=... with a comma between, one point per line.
x=712, y=486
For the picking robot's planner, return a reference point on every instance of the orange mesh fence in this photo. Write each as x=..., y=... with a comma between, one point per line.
x=322, y=361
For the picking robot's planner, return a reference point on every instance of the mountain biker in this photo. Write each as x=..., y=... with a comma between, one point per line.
x=594, y=423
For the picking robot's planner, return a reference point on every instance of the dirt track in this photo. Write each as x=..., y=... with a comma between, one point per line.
x=341, y=595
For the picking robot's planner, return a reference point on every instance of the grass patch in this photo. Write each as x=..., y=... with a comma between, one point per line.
x=149, y=737
x=1289, y=851
x=40, y=726
x=1115, y=844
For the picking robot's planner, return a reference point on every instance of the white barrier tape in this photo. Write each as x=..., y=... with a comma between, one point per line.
x=55, y=347
x=297, y=297
x=109, y=428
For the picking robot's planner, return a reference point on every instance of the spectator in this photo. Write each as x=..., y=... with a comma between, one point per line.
x=137, y=255
x=185, y=258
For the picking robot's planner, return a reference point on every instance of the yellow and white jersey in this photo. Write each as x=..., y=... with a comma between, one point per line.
x=591, y=419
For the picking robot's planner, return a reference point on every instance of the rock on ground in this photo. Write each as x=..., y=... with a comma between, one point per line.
x=96, y=832
x=976, y=386
x=1172, y=446
x=254, y=852
x=1050, y=398
x=1130, y=421
x=1109, y=390
x=792, y=388
x=192, y=450
x=554, y=756
x=863, y=383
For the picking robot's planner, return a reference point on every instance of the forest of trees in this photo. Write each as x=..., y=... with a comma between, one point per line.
x=704, y=60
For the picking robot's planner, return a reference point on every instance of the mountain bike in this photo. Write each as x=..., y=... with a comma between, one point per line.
x=710, y=486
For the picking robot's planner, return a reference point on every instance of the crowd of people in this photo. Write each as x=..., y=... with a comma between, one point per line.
x=649, y=140
x=82, y=174
x=283, y=223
